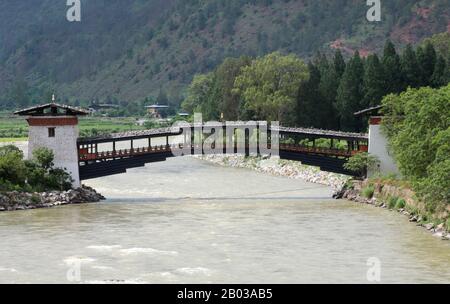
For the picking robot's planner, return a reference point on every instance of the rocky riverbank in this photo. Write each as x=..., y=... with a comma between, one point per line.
x=278, y=167
x=397, y=199
x=12, y=201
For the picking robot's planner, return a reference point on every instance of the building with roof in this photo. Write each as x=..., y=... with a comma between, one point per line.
x=55, y=127
x=378, y=142
x=157, y=111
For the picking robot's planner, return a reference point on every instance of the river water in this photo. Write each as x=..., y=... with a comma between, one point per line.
x=187, y=221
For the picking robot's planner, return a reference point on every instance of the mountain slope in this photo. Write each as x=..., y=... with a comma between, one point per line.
x=128, y=50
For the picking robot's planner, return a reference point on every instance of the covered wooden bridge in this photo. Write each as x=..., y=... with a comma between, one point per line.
x=115, y=153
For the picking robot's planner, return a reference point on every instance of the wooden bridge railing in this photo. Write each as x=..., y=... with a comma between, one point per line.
x=84, y=155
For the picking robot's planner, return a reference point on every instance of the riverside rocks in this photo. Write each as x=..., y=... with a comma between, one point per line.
x=12, y=201
x=354, y=194
x=274, y=166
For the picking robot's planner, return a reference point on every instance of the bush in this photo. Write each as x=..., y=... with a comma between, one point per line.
x=44, y=158
x=401, y=203
x=361, y=162
x=417, y=125
x=12, y=168
x=37, y=174
x=392, y=202
x=368, y=191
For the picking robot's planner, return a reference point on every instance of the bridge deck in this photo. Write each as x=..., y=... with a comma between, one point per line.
x=94, y=163
x=123, y=153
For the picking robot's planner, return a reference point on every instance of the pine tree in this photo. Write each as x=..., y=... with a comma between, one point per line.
x=350, y=95
x=329, y=84
x=309, y=99
x=410, y=68
x=427, y=62
x=374, y=82
x=339, y=63
x=392, y=69
x=440, y=75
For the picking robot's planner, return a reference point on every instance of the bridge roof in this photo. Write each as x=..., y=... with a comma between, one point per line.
x=176, y=130
x=370, y=111
x=319, y=133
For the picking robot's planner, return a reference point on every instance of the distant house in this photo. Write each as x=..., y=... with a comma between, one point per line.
x=104, y=106
x=183, y=114
x=157, y=111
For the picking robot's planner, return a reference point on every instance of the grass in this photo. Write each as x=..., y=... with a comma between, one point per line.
x=400, y=204
x=392, y=202
x=368, y=191
x=12, y=139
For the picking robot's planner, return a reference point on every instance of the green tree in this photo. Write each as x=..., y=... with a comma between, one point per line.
x=350, y=94
x=339, y=63
x=202, y=97
x=418, y=129
x=441, y=73
x=427, y=62
x=226, y=74
x=374, y=82
x=309, y=100
x=44, y=158
x=12, y=168
x=410, y=68
x=329, y=84
x=197, y=93
x=361, y=162
x=392, y=69
x=269, y=86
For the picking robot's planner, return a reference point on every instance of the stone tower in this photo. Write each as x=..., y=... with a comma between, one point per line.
x=55, y=127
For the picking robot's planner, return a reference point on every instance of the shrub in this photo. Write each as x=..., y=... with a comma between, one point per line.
x=401, y=203
x=392, y=202
x=417, y=125
x=368, y=191
x=361, y=162
x=12, y=168
x=35, y=199
x=44, y=158
x=37, y=174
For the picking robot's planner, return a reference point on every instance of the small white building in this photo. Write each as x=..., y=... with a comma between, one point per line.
x=378, y=143
x=55, y=127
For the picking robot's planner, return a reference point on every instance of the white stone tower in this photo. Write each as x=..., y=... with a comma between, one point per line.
x=378, y=143
x=55, y=127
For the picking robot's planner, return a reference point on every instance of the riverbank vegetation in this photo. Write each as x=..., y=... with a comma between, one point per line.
x=418, y=127
x=325, y=93
x=35, y=175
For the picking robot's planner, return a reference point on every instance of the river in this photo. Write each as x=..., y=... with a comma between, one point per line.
x=188, y=221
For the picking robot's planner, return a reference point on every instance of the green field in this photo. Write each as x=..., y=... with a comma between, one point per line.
x=15, y=128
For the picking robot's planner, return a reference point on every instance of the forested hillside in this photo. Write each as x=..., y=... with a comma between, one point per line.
x=126, y=51
x=324, y=94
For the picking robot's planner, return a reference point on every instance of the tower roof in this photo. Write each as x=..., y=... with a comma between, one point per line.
x=52, y=109
x=370, y=111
